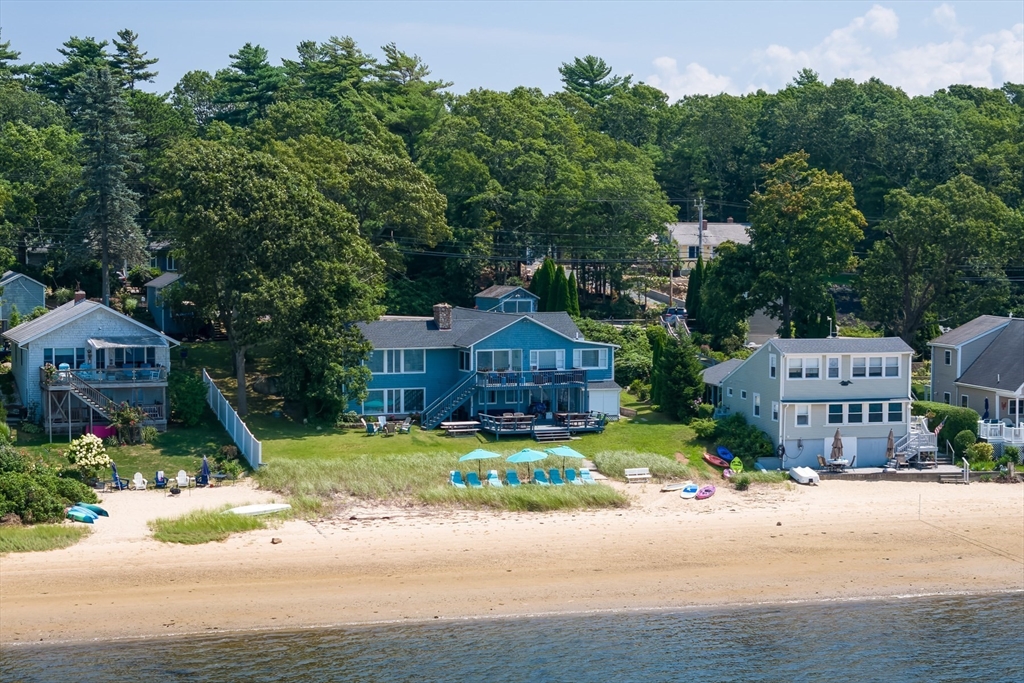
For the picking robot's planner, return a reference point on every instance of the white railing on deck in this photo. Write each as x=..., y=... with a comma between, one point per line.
x=247, y=444
x=997, y=431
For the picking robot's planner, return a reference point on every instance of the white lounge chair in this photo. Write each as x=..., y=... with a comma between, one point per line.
x=184, y=481
x=139, y=482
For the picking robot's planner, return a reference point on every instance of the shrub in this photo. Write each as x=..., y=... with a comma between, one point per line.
x=87, y=455
x=36, y=494
x=980, y=452
x=704, y=428
x=149, y=434
x=229, y=452
x=29, y=428
x=705, y=410
x=63, y=295
x=964, y=440
x=1014, y=454
x=111, y=442
x=957, y=419
x=188, y=397
x=746, y=442
x=741, y=482
x=128, y=419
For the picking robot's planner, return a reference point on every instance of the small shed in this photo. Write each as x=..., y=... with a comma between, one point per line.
x=21, y=293
x=165, y=320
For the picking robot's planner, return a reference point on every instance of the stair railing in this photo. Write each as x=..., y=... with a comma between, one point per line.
x=967, y=471
x=91, y=394
x=439, y=409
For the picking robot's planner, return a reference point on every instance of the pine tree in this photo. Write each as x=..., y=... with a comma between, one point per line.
x=130, y=63
x=658, y=339
x=558, y=295
x=106, y=222
x=573, y=306
x=681, y=382
x=8, y=69
x=693, y=293
x=543, y=284
x=251, y=85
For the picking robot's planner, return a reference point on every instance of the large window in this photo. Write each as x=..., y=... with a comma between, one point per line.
x=397, y=361
x=553, y=359
x=590, y=358
x=855, y=413
x=804, y=368
x=895, y=412
x=876, y=366
x=391, y=401
x=875, y=413
x=499, y=360
x=835, y=413
x=892, y=367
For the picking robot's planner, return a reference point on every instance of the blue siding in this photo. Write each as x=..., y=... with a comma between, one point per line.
x=162, y=316
x=531, y=336
x=22, y=293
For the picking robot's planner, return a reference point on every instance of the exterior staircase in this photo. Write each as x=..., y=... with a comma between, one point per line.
x=919, y=443
x=442, y=408
x=89, y=395
x=550, y=435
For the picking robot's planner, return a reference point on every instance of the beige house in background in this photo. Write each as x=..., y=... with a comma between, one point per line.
x=690, y=239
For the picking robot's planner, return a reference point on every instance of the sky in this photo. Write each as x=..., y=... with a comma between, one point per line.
x=683, y=48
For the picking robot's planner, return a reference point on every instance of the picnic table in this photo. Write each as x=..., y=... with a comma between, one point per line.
x=461, y=428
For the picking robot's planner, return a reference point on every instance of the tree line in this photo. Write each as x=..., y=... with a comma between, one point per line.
x=305, y=194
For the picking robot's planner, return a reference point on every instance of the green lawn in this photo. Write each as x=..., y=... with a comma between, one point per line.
x=23, y=539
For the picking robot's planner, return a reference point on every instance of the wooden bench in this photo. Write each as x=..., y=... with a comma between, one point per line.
x=461, y=431
x=638, y=474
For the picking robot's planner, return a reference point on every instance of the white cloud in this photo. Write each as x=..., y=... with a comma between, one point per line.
x=694, y=79
x=945, y=16
x=883, y=21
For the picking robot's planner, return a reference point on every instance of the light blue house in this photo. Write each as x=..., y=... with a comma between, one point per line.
x=20, y=292
x=476, y=364
x=801, y=392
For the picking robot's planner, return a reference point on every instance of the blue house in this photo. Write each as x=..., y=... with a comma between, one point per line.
x=19, y=291
x=510, y=371
x=164, y=319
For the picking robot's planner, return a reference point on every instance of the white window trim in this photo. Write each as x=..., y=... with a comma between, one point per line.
x=492, y=352
x=728, y=392
x=828, y=414
x=602, y=359
x=775, y=411
x=796, y=416
x=384, y=402
x=743, y=394
x=839, y=367
x=863, y=413
x=559, y=358
x=965, y=401
x=867, y=367
x=947, y=398
x=389, y=371
x=756, y=411
x=903, y=412
x=883, y=412
x=947, y=356
x=773, y=366
x=803, y=367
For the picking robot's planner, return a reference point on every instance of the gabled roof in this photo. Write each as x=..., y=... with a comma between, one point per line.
x=469, y=326
x=716, y=374
x=686, y=234
x=1001, y=364
x=499, y=291
x=62, y=315
x=10, y=276
x=842, y=345
x=970, y=330
x=162, y=281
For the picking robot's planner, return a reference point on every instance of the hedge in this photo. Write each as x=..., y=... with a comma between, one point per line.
x=957, y=419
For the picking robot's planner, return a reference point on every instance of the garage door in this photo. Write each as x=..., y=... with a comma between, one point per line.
x=605, y=401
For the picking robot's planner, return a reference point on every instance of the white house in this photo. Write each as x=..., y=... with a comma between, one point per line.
x=97, y=356
x=691, y=238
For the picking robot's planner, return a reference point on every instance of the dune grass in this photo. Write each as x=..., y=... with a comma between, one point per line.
x=527, y=498
x=25, y=539
x=203, y=526
x=614, y=463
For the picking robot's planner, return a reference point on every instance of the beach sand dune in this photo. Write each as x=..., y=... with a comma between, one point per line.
x=373, y=563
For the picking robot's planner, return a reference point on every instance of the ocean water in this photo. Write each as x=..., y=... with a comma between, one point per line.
x=934, y=639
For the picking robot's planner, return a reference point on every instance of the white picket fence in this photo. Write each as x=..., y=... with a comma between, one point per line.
x=247, y=444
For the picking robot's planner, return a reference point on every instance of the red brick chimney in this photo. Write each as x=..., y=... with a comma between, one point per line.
x=79, y=296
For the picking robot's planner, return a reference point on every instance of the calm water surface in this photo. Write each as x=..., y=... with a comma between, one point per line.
x=934, y=639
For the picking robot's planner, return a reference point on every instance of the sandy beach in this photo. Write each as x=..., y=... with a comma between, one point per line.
x=371, y=564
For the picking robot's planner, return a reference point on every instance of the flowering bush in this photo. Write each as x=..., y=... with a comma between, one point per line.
x=87, y=455
x=128, y=419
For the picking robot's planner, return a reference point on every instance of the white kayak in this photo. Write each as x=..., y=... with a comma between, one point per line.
x=804, y=475
x=689, y=491
x=674, y=487
x=264, y=509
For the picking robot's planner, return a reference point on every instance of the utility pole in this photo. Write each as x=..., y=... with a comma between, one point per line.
x=700, y=227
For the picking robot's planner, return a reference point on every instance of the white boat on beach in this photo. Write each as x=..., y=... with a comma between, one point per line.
x=804, y=475
x=264, y=509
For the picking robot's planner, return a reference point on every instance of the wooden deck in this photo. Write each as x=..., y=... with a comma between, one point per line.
x=557, y=429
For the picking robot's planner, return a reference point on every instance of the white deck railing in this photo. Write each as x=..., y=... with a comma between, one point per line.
x=248, y=445
x=997, y=431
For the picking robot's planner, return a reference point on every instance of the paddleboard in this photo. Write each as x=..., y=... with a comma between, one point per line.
x=737, y=465
x=265, y=509
x=715, y=460
x=674, y=487
x=689, y=491
x=725, y=454
x=705, y=492
x=79, y=516
x=93, y=508
x=728, y=472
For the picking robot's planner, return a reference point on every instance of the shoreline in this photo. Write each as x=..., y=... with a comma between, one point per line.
x=353, y=625
x=383, y=565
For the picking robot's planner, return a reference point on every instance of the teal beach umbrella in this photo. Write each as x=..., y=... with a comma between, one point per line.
x=526, y=455
x=478, y=455
x=565, y=452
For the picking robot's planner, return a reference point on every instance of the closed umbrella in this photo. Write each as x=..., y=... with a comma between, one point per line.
x=985, y=416
x=565, y=452
x=478, y=455
x=117, y=479
x=204, y=471
x=890, y=447
x=526, y=455
x=837, y=447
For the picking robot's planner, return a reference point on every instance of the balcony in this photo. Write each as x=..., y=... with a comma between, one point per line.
x=994, y=431
x=515, y=379
x=123, y=377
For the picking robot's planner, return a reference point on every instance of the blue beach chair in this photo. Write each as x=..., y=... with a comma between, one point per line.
x=556, y=477
x=540, y=478
x=570, y=477
x=455, y=478
x=473, y=480
x=512, y=478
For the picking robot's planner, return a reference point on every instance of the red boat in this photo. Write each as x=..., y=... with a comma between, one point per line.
x=715, y=460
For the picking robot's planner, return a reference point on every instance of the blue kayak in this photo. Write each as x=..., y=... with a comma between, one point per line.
x=725, y=454
x=93, y=508
x=80, y=515
x=84, y=511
